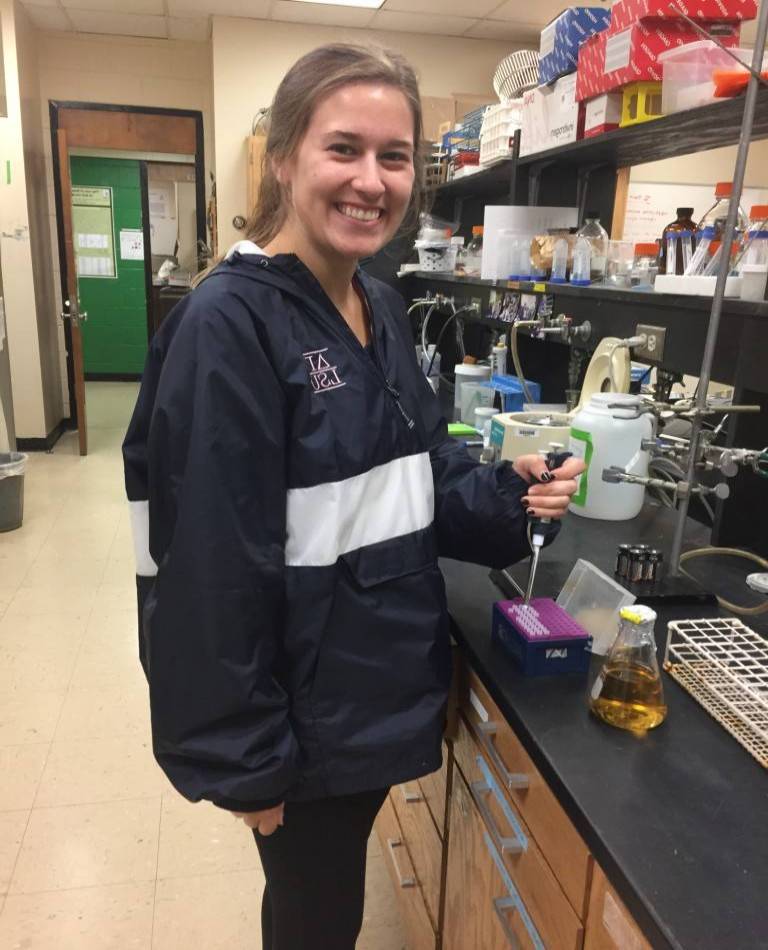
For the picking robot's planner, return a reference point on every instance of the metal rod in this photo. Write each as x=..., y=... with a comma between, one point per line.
x=742, y=153
x=708, y=36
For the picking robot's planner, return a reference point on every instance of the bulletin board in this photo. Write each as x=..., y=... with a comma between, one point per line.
x=93, y=231
x=652, y=205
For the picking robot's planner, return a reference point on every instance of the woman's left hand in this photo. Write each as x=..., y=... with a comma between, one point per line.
x=551, y=498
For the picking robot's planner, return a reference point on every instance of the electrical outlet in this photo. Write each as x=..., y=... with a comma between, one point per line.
x=654, y=345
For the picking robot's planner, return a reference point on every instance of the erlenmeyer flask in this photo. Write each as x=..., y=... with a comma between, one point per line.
x=628, y=692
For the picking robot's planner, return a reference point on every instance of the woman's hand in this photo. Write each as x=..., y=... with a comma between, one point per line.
x=264, y=822
x=551, y=498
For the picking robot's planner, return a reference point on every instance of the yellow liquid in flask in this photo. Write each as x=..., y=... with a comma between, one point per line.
x=629, y=696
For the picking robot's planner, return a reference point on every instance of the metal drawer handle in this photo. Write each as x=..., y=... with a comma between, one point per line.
x=393, y=843
x=409, y=797
x=484, y=732
x=513, y=901
x=505, y=843
x=501, y=905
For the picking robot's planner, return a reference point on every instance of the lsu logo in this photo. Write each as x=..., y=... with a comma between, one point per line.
x=322, y=374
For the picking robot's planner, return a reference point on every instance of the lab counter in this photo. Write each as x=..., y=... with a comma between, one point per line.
x=676, y=819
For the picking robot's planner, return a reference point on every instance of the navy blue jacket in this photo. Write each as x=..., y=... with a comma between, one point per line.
x=290, y=496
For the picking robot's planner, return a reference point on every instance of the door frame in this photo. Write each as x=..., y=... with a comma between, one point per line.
x=55, y=106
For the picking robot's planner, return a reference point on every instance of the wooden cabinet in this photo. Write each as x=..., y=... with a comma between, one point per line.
x=537, y=889
x=482, y=855
x=481, y=912
x=419, y=930
x=609, y=924
x=423, y=842
x=561, y=844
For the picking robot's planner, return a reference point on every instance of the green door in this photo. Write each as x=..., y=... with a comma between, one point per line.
x=107, y=227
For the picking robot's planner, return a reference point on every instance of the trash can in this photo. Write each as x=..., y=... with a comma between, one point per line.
x=12, y=466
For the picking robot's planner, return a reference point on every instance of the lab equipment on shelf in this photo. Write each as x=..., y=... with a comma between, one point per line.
x=645, y=267
x=716, y=216
x=582, y=257
x=559, y=261
x=610, y=431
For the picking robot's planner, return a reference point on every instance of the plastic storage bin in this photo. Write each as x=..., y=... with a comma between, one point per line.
x=438, y=258
x=594, y=600
x=499, y=126
x=687, y=78
x=12, y=467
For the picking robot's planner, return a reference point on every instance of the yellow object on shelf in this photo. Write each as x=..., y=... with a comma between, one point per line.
x=641, y=102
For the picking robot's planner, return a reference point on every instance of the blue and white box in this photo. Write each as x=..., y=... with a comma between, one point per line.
x=561, y=39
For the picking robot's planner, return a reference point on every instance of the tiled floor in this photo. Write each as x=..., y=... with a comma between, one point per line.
x=97, y=852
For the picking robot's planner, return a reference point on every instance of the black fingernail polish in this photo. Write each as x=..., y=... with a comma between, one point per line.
x=547, y=477
x=526, y=503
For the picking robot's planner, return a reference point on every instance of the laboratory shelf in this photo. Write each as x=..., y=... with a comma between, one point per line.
x=493, y=180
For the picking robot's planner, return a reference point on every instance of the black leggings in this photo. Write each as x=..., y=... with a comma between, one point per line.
x=315, y=870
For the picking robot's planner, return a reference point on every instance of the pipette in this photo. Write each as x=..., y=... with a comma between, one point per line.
x=539, y=527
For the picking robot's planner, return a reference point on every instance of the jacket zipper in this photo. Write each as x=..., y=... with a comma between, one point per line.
x=394, y=393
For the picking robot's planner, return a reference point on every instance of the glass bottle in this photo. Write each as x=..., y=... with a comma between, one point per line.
x=628, y=692
x=473, y=256
x=717, y=214
x=682, y=223
x=598, y=238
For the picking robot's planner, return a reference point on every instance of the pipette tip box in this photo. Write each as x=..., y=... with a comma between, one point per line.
x=541, y=637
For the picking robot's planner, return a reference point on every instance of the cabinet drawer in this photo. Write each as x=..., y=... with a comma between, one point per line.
x=483, y=909
x=423, y=842
x=561, y=844
x=434, y=788
x=421, y=935
x=610, y=926
x=554, y=918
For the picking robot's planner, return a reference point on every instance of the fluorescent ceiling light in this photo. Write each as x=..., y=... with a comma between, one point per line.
x=370, y=4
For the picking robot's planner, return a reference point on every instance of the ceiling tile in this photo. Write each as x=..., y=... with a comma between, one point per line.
x=118, y=24
x=538, y=13
x=189, y=28
x=480, y=8
x=137, y=7
x=326, y=14
x=421, y=23
x=257, y=9
x=48, y=18
x=522, y=33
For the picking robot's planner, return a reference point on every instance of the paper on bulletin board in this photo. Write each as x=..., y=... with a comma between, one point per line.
x=132, y=244
x=92, y=231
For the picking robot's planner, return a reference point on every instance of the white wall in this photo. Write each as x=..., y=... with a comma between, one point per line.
x=18, y=278
x=706, y=168
x=125, y=71
x=250, y=57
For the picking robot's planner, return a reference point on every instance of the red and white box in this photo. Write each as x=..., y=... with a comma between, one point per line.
x=626, y=12
x=608, y=61
x=551, y=116
x=602, y=114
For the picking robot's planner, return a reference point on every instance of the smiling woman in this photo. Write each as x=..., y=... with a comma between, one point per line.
x=292, y=485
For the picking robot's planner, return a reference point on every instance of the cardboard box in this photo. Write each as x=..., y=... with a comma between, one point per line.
x=626, y=12
x=602, y=114
x=608, y=61
x=561, y=39
x=551, y=116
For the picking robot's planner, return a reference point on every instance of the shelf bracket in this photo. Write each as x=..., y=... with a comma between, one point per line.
x=582, y=184
x=534, y=181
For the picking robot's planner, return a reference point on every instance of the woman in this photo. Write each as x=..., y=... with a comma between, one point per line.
x=292, y=485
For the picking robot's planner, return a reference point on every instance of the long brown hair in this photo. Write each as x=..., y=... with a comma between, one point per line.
x=310, y=79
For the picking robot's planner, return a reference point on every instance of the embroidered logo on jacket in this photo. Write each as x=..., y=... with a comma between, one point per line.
x=322, y=375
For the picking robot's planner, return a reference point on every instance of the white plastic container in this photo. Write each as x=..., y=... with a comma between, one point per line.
x=607, y=432
x=437, y=258
x=467, y=372
x=753, y=281
x=687, y=80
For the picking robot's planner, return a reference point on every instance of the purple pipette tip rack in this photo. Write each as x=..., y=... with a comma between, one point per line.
x=542, y=619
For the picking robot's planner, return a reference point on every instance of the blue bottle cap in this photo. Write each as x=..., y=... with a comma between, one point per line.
x=708, y=232
x=672, y=236
x=558, y=280
x=685, y=234
x=581, y=283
